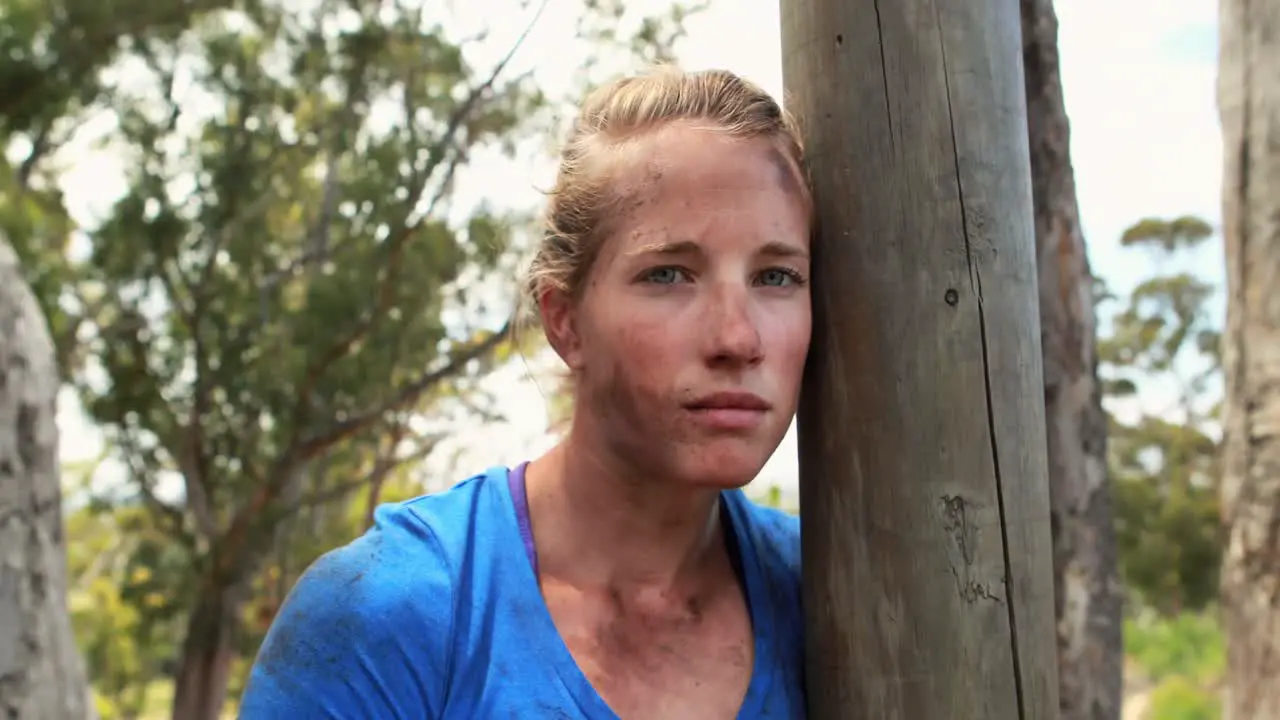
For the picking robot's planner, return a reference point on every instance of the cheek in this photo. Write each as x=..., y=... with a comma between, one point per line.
x=629, y=359
x=786, y=335
x=646, y=349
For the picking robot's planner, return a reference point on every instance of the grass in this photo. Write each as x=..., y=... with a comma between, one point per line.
x=1184, y=657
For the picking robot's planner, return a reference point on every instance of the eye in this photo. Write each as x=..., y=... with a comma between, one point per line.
x=667, y=275
x=779, y=277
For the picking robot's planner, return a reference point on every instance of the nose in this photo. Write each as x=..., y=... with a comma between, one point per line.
x=732, y=331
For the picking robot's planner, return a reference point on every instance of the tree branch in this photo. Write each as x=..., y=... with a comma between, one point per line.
x=406, y=395
x=165, y=513
x=383, y=467
x=436, y=155
x=485, y=412
x=313, y=253
x=39, y=148
x=169, y=518
x=267, y=493
x=438, y=149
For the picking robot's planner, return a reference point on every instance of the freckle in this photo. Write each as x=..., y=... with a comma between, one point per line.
x=694, y=608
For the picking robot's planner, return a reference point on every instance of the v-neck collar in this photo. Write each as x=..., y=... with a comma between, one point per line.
x=557, y=655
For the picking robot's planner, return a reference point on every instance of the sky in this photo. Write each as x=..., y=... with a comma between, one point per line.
x=1138, y=79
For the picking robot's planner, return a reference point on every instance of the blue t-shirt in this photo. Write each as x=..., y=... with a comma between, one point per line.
x=435, y=614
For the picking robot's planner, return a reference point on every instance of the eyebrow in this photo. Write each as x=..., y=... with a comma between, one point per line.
x=689, y=247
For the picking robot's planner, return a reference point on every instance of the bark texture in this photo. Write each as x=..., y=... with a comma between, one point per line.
x=1087, y=591
x=40, y=670
x=1249, y=107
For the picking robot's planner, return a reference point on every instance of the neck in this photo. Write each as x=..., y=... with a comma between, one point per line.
x=596, y=523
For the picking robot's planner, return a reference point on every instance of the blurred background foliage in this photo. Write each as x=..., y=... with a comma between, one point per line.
x=286, y=307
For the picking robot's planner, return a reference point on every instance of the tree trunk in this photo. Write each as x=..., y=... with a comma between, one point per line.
x=1087, y=591
x=200, y=689
x=41, y=676
x=1249, y=107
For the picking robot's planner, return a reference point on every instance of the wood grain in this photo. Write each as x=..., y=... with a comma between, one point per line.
x=924, y=493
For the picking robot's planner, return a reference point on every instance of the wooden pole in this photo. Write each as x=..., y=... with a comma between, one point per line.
x=924, y=491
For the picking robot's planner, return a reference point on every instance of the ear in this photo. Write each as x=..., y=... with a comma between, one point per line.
x=559, y=323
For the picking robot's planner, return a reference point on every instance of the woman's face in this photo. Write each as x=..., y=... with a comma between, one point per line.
x=689, y=339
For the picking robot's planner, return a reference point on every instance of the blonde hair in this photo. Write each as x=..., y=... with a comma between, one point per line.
x=583, y=197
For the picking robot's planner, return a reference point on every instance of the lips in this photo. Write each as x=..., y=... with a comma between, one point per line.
x=729, y=411
x=730, y=401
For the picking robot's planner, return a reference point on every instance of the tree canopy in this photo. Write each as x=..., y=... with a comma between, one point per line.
x=283, y=304
x=1164, y=344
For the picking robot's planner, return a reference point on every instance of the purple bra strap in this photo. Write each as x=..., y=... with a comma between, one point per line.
x=520, y=496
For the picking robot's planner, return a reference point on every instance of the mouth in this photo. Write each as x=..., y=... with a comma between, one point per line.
x=729, y=411
x=730, y=401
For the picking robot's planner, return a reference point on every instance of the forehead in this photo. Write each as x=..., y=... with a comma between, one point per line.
x=702, y=184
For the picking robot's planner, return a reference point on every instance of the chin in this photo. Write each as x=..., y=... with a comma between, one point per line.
x=720, y=468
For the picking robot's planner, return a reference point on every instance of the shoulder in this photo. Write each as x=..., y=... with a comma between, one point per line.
x=368, y=628
x=775, y=534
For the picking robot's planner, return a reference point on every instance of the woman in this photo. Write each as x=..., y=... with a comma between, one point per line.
x=622, y=574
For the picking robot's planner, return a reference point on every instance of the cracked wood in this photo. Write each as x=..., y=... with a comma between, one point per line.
x=928, y=587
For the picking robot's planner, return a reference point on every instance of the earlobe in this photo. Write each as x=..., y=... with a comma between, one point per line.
x=560, y=326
